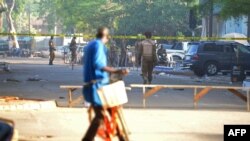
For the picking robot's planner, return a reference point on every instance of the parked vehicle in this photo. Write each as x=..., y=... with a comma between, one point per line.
x=165, y=46
x=208, y=57
x=25, y=46
x=4, y=48
x=178, y=50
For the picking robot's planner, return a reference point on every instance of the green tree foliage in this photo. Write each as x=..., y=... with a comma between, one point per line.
x=163, y=17
x=234, y=8
x=47, y=10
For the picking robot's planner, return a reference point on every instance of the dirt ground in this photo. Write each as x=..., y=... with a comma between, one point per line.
x=64, y=124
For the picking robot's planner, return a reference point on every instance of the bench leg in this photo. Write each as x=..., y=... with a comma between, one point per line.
x=76, y=101
x=202, y=93
x=152, y=91
x=195, y=102
x=144, y=99
x=238, y=94
x=69, y=97
x=149, y=93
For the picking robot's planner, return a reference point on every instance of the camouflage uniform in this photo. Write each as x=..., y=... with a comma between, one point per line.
x=51, y=52
x=73, y=48
x=147, y=54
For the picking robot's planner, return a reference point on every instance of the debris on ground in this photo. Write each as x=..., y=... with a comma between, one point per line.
x=11, y=80
x=179, y=89
x=61, y=97
x=164, y=70
x=35, y=78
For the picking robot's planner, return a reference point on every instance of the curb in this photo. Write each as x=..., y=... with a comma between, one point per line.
x=29, y=105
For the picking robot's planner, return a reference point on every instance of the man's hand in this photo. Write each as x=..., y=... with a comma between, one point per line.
x=113, y=70
x=123, y=71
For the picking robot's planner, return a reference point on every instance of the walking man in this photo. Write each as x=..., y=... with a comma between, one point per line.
x=51, y=50
x=96, y=69
x=147, y=55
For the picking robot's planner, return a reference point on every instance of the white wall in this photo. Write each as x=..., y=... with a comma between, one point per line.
x=238, y=25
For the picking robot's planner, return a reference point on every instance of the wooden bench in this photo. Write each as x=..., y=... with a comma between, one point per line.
x=199, y=91
x=71, y=89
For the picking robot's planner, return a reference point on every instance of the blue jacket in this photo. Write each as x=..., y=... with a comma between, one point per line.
x=95, y=59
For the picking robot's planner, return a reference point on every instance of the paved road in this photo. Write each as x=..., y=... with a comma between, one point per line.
x=60, y=74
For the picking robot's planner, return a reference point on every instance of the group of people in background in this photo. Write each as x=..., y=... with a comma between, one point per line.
x=52, y=49
x=96, y=70
x=146, y=55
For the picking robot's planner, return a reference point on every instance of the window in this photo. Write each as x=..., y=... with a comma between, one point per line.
x=228, y=48
x=244, y=49
x=192, y=49
x=211, y=47
x=178, y=46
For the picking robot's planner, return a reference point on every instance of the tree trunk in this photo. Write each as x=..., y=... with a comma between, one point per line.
x=12, y=30
x=2, y=9
x=1, y=22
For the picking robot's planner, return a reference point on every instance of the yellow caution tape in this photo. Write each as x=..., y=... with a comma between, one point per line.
x=129, y=37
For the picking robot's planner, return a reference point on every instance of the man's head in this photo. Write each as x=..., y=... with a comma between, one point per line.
x=148, y=35
x=103, y=34
x=74, y=37
x=52, y=37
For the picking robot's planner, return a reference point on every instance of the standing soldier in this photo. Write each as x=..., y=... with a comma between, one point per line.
x=51, y=50
x=73, y=49
x=147, y=54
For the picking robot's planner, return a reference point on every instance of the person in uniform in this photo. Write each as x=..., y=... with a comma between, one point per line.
x=51, y=50
x=73, y=49
x=147, y=57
